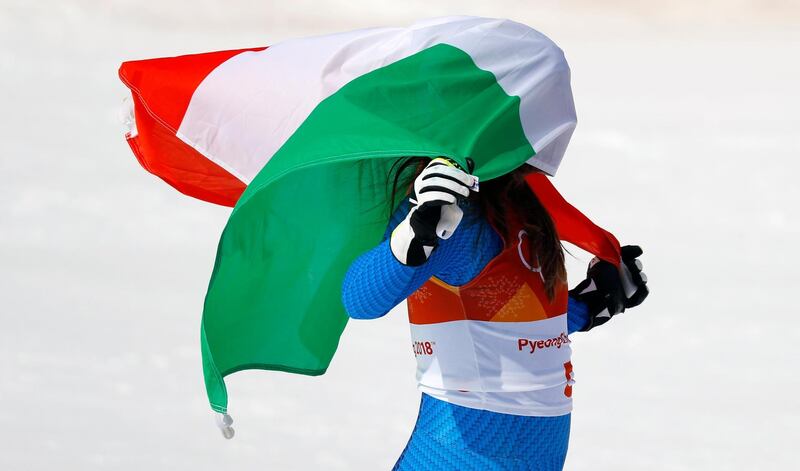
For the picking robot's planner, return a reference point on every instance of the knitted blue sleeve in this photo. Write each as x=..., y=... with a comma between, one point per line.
x=577, y=315
x=376, y=281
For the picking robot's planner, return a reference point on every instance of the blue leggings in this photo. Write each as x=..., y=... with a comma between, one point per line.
x=451, y=437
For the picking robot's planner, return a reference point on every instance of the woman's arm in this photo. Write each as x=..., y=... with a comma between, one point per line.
x=376, y=281
x=414, y=246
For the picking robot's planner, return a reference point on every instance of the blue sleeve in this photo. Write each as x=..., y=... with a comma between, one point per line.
x=376, y=281
x=577, y=315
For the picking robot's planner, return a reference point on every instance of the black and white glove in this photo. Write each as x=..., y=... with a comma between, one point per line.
x=608, y=291
x=434, y=212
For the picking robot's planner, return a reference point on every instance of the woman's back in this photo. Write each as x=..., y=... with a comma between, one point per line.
x=459, y=428
x=473, y=344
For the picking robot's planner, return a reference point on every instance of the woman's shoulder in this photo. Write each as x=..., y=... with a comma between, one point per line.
x=468, y=250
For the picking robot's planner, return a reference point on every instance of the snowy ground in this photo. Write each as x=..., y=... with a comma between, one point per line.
x=688, y=144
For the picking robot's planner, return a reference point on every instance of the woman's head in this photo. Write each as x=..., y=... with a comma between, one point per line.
x=497, y=200
x=507, y=195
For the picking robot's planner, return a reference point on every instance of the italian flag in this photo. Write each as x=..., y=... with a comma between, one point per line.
x=300, y=137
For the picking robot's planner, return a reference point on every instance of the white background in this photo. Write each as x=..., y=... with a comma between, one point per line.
x=687, y=144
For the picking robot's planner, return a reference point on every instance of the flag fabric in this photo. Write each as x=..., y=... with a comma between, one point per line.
x=572, y=225
x=301, y=137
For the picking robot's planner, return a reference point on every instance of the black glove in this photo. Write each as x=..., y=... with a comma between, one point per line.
x=434, y=212
x=608, y=291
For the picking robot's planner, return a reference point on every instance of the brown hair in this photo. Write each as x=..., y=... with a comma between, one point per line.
x=497, y=199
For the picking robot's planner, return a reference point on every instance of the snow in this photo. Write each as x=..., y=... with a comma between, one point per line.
x=687, y=144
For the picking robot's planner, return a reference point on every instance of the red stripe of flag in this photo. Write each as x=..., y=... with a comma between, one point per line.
x=162, y=90
x=571, y=225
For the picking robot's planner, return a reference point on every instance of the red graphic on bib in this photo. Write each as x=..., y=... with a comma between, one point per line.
x=570, y=379
x=423, y=348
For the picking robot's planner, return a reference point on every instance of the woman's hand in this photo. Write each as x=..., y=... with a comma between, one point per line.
x=434, y=212
x=608, y=291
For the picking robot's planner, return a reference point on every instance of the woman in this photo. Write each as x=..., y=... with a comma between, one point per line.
x=490, y=316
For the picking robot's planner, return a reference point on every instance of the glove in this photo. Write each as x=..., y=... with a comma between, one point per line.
x=608, y=290
x=434, y=212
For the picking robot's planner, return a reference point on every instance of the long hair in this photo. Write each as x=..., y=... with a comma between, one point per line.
x=497, y=199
